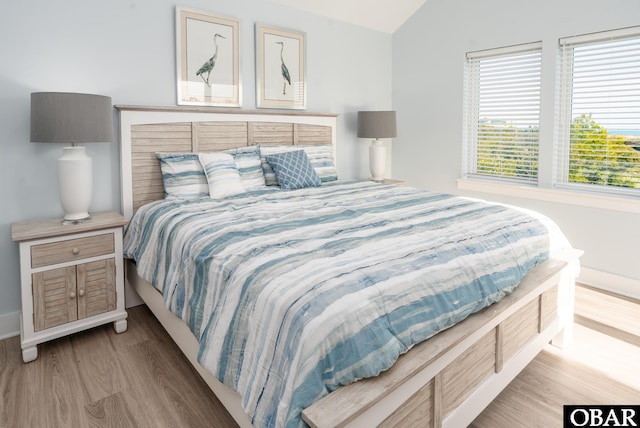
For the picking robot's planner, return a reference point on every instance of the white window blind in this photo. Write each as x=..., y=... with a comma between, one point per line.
x=502, y=113
x=599, y=124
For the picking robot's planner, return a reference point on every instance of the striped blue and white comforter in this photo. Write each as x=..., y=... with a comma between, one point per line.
x=292, y=294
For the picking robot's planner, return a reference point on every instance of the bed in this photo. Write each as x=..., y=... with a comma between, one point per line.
x=443, y=381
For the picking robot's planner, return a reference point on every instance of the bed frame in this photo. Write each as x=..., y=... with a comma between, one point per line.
x=445, y=381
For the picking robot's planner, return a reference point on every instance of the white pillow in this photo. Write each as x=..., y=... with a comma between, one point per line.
x=222, y=174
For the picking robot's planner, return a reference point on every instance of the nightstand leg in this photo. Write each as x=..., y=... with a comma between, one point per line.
x=30, y=354
x=120, y=326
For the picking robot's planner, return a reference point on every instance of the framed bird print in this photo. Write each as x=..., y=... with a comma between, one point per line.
x=280, y=68
x=208, y=60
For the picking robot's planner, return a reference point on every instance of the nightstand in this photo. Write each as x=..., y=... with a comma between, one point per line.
x=72, y=277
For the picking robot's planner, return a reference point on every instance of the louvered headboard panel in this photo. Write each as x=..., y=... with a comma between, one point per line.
x=147, y=130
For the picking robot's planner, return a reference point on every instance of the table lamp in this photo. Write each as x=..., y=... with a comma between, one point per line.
x=60, y=117
x=377, y=125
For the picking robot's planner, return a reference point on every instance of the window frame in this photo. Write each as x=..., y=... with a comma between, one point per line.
x=564, y=119
x=471, y=116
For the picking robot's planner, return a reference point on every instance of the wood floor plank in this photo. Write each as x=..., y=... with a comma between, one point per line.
x=141, y=326
x=25, y=397
x=98, y=364
x=164, y=373
x=101, y=374
x=10, y=365
x=576, y=383
x=611, y=358
x=617, y=312
x=55, y=386
x=178, y=387
x=143, y=395
x=114, y=412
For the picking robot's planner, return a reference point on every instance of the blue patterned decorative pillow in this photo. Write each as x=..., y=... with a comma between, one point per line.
x=320, y=156
x=222, y=174
x=293, y=170
x=250, y=167
x=267, y=170
x=182, y=175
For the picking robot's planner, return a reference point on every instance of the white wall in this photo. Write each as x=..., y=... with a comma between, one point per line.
x=428, y=63
x=126, y=50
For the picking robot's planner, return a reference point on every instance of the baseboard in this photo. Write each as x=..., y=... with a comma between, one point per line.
x=9, y=325
x=610, y=282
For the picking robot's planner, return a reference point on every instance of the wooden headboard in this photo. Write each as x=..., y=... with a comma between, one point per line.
x=147, y=130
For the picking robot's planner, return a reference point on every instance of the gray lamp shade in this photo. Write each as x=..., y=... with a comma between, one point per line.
x=61, y=117
x=377, y=124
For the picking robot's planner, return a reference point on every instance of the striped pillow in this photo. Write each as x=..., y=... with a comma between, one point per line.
x=249, y=166
x=320, y=156
x=222, y=174
x=182, y=176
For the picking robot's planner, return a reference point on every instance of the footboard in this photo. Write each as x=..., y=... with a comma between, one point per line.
x=449, y=379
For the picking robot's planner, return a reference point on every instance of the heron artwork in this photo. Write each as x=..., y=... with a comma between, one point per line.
x=207, y=67
x=284, y=70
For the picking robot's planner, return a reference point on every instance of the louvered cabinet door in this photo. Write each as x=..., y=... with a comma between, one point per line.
x=54, y=297
x=96, y=288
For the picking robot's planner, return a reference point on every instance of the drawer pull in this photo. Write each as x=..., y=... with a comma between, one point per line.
x=75, y=251
x=81, y=292
x=72, y=295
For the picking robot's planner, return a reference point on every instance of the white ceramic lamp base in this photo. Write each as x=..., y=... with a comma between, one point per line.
x=377, y=160
x=75, y=183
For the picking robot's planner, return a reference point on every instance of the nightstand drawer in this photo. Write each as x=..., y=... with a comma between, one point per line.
x=71, y=250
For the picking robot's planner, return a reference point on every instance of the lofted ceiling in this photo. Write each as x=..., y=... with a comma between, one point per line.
x=381, y=15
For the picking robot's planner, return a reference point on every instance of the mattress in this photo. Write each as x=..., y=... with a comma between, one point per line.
x=292, y=294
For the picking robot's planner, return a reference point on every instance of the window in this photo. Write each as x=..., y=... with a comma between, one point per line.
x=599, y=123
x=502, y=116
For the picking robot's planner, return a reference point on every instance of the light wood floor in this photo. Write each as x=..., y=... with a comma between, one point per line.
x=140, y=379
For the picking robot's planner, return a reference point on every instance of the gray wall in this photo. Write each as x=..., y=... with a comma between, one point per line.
x=428, y=63
x=126, y=50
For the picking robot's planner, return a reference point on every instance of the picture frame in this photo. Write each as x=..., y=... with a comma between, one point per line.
x=280, y=68
x=207, y=59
